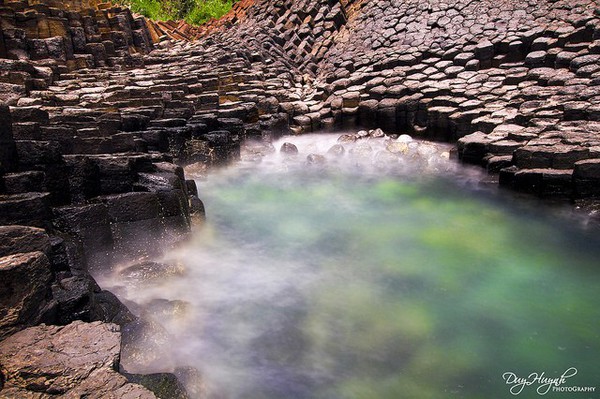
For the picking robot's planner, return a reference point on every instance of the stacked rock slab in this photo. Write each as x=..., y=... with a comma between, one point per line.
x=77, y=192
x=516, y=83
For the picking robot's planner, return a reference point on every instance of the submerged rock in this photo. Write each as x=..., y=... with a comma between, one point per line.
x=150, y=271
x=397, y=148
x=347, y=138
x=164, y=385
x=337, y=150
x=362, y=150
x=288, y=149
x=315, y=159
x=404, y=138
x=255, y=151
x=377, y=133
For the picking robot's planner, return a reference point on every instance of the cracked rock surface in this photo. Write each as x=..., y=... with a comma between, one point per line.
x=73, y=361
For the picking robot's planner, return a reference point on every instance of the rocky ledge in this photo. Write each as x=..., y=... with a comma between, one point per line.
x=74, y=361
x=100, y=109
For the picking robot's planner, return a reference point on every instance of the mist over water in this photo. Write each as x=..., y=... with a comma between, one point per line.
x=371, y=274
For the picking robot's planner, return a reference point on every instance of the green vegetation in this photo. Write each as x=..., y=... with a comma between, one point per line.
x=195, y=12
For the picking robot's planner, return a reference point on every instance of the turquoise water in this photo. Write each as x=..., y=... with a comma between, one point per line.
x=373, y=275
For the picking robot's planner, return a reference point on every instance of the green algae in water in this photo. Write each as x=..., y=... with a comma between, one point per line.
x=334, y=283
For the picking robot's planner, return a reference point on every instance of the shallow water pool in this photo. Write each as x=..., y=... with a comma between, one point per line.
x=372, y=274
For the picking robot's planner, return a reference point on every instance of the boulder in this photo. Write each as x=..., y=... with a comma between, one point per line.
x=24, y=291
x=75, y=361
x=164, y=385
x=75, y=298
x=288, y=149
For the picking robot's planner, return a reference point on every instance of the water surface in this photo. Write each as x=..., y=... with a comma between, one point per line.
x=370, y=275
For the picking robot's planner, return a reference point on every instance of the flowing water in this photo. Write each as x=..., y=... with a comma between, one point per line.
x=371, y=274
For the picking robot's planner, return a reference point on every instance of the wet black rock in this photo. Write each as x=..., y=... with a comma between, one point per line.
x=163, y=385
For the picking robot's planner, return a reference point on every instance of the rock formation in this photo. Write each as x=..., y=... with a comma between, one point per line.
x=100, y=109
x=73, y=361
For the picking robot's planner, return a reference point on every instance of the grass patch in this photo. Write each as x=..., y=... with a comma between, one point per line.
x=207, y=9
x=194, y=12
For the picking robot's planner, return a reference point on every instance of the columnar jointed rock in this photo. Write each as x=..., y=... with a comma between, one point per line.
x=99, y=116
x=24, y=294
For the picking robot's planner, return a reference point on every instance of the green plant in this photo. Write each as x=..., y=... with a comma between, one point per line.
x=194, y=12
x=204, y=10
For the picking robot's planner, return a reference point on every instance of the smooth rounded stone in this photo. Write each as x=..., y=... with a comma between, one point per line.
x=404, y=138
x=288, y=149
x=337, y=150
x=302, y=120
x=258, y=147
x=347, y=138
x=255, y=151
x=377, y=133
x=172, y=309
x=77, y=360
x=396, y=147
x=362, y=150
x=151, y=271
x=426, y=150
x=362, y=134
x=315, y=159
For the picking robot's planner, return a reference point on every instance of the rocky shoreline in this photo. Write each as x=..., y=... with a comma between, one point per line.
x=100, y=110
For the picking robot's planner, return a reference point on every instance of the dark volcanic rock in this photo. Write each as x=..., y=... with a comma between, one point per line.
x=32, y=209
x=164, y=385
x=20, y=239
x=8, y=149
